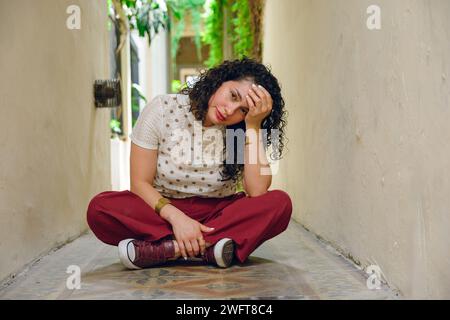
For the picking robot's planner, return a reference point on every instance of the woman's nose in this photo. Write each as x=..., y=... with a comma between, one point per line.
x=229, y=110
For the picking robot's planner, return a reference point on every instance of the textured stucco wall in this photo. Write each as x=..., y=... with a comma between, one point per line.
x=54, y=148
x=368, y=160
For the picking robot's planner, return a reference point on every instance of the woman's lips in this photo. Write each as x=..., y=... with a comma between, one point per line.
x=219, y=115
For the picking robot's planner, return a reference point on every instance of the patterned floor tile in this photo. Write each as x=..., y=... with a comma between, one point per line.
x=294, y=265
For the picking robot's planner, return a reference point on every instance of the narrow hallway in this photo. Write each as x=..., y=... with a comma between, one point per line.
x=294, y=265
x=343, y=105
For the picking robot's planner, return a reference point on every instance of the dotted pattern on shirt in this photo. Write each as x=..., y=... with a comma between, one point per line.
x=176, y=179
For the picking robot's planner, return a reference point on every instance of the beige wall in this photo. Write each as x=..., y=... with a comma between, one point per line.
x=368, y=161
x=54, y=145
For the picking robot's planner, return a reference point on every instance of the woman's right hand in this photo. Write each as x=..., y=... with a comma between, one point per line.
x=187, y=231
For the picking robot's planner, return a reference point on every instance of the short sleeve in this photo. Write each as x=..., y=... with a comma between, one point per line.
x=146, y=132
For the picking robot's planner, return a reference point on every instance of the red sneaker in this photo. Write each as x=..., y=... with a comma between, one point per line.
x=138, y=254
x=221, y=253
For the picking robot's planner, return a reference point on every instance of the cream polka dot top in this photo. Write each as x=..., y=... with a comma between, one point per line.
x=190, y=156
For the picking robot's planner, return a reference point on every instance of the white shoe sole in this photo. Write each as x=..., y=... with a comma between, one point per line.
x=123, y=254
x=223, y=252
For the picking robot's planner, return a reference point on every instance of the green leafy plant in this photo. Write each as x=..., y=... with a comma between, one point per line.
x=148, y=18
x=213, y=35
x=136, y=94
x=243, y=35
x=138, y=90
x=239, y=29
x=114, y=124
x=145, y=16
x=177, y=86
x=180, y=9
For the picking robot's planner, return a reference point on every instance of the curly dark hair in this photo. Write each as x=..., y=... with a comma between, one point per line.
x=235, y=70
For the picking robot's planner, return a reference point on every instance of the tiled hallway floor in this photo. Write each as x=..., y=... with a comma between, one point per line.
x=294, y=265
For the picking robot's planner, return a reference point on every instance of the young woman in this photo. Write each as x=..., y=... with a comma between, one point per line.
x=182, y=206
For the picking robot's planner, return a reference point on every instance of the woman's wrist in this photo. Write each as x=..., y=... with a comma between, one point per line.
x=255, y=126
x=169, y=213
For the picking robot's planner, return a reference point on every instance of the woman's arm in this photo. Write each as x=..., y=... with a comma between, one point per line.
x=142, y=173
x=257, y=173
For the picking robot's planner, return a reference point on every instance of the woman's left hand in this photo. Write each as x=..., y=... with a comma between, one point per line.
x=260, y=105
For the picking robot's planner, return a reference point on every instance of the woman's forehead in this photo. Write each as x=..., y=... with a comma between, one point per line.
x=242, y=84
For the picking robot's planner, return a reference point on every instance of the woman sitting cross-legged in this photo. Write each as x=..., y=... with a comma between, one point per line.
x=179, y=204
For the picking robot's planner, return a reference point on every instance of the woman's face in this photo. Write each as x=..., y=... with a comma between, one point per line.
x=228, y=106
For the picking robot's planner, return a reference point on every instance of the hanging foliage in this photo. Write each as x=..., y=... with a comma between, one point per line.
x=180, y=9
x=213, y=35
x=243, y=35
x=237, y=23
x=145, y=16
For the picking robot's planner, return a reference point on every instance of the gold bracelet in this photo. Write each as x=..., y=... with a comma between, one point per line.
x=247, y=141
x=160, y=204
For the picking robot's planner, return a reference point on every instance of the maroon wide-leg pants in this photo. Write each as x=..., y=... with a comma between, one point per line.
x=249, y=221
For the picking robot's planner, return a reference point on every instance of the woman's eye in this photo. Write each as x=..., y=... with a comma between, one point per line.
x=244, y=111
